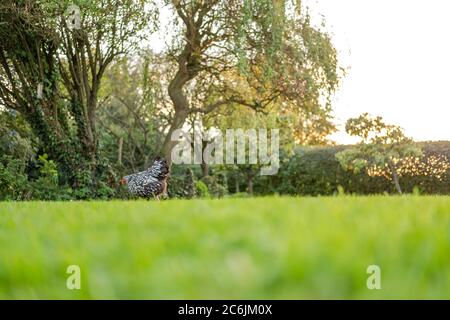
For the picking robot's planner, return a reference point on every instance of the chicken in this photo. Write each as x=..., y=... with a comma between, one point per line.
x=149, y=183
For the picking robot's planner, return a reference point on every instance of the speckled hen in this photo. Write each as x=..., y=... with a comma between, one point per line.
x=149, y=183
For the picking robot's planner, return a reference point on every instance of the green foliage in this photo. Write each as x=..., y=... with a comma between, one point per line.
x=15, y=136
x=183, y=183
x=107, y=185
x=48, y=170
x=182, y=186
x=93, y=133
x=190, y=190
x=201, y=189
x=215, y=188
x=289, y=49
x=262, y=248
x=129, y=119
x=317, y=171
x=382, y=146
x=16, y=185
x=13, y=180
x=239, y=195
x=39, y=50
x=46, y=187
x=176, y=187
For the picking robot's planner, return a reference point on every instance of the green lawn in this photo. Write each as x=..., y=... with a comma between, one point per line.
x=280, y=248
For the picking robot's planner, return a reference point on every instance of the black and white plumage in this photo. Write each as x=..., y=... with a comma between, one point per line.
x=149, y=183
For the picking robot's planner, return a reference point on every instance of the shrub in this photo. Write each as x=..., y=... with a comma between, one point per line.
x=316, y=171
x=13, y=180
x=202, y=189
x=239, y=195
x=46, y=187
x=182, y=186
x=216, y=189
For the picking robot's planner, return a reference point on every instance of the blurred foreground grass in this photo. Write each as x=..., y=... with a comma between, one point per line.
x=274, y=248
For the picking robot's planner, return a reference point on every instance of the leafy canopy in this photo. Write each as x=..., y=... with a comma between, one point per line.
x=381, y=144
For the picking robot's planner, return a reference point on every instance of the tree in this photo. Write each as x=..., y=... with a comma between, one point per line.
x=128, y=115
x=382, y=145
x=52, y=64
x=247, y=53
x=241, y=117
x=310, y=127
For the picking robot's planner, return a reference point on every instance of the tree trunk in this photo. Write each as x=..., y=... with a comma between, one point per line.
x=395, y=178
x=396, y=182
x=204, y=165
x=119, y=152
x=85, y=131
x=250, y=183
x=177, y=123
x=236, y=184
x=205, y=169
x=188, y=69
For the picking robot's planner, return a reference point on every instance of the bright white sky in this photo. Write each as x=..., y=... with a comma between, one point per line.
x=398, y=52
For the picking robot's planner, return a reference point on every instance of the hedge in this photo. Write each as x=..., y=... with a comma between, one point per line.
x=315, y=171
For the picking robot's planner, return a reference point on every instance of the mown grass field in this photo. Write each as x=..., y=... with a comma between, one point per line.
x=274, y=248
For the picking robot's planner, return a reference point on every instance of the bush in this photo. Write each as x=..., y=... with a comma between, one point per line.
x=13, y=180
x=316, y=171
x=46, y=187
x=182, y=186
x=202, y=189
x=239, y=195
x=216, y=190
